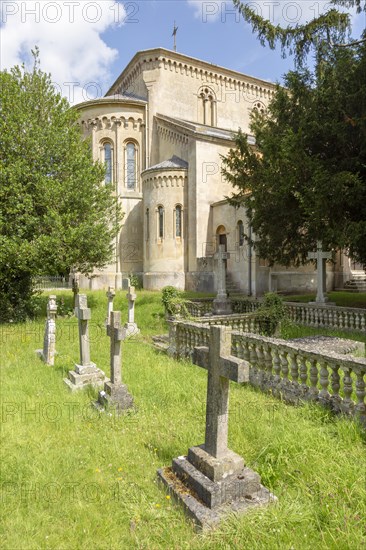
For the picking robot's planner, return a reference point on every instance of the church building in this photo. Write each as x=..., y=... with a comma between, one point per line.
x=161, y=131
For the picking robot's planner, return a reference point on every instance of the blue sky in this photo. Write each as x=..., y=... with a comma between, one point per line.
x=85, y=45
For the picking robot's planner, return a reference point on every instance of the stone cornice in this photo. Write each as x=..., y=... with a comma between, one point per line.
x=158, y=58
x=113, y=101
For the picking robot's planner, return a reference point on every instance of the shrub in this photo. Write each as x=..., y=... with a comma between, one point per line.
x=271, y=314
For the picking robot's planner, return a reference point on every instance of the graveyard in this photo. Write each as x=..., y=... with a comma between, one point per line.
x=79, y=475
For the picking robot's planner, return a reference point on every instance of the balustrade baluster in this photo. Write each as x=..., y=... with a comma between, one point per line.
x=335, y=382
x=276, y=366
x=268, y=359
x=284, y=365
x=324, y=381
x=294, y=368
x=360, y=408
x=348, y=404
x=260, y=357
x=313, y=379
x=303, y=371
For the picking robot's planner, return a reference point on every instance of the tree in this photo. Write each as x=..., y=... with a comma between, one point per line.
x=55, y=212
x=306, y=178
x=323, y=32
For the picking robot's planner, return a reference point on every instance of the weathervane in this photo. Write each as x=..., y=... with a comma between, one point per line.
x=175, y=37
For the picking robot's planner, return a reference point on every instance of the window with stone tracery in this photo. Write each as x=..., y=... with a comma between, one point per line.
x=178, y=221
x=130, y=165
x=259, y=107
x=108, y=162
x=160, y=212
x=207, y=106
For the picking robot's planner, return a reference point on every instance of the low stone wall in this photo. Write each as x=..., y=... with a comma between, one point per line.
x=332, y=317
x=287, y=370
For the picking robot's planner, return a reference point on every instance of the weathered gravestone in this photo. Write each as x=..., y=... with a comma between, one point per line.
x=111, y=293
x=321, y=259
x=49, y=341
x=221, y=304
x=212, y=480
x=115, y=393
x=86, y=372
x=131, y=327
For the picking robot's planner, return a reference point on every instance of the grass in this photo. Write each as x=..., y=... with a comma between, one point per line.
x=73, y=478
x=343, y=299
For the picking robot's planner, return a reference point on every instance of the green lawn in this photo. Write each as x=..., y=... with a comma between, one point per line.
x=72, y=478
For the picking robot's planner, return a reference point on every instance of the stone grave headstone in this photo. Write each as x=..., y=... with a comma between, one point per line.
x=212, y=480
x=49, y=341
x=221, y=304
x=126, y=283
x=85, y=372
x=131, y=327
x=115, y=393
x=111, y=293
x=321, y=263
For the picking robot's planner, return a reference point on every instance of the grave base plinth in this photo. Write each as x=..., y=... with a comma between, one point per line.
x=114, y=396
x=131, y=329
x=84, y=376
x=208, y=502
x=221, y=306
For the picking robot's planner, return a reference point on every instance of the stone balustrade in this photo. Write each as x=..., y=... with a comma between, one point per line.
x=285, y=369
x=334, y=317
x=330, y=317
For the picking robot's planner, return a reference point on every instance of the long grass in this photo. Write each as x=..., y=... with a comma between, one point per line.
x=73, y=478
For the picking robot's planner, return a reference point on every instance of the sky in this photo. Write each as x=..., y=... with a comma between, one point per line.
x=85, y=45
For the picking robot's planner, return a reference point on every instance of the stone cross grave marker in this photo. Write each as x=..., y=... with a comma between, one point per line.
x=49, y=341
x=111, y=293
x=131, y=327
x=213, y=480
x=115, y=394
x=86, y=372
x=221, y=304
x=321, y=258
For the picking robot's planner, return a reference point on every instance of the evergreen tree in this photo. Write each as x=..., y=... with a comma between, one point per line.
x=55, y=213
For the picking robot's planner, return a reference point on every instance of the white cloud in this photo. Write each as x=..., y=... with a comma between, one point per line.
x=69, y=36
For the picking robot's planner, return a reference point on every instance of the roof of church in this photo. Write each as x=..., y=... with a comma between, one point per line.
x=126, y=95
x=202, y=131
x=172, y=163
x=187, y=59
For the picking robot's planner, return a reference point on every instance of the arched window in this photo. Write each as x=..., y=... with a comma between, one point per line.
x=240, y=233
x=147, y=224
x=259, y=107
x=178, y=221
x=108, y=162
x=130, y=168
x=160, y=222
x=207, y=106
